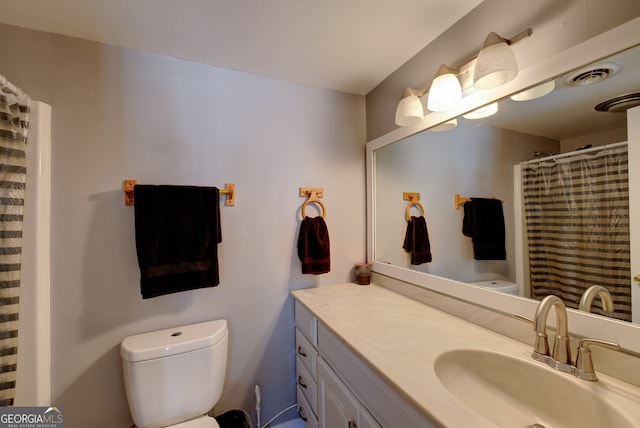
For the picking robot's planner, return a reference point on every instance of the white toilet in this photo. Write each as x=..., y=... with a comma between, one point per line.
x=499, y=285
x=173, y=377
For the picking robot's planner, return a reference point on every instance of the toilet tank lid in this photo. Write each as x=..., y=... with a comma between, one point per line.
x=496, y=283
x=172, y=341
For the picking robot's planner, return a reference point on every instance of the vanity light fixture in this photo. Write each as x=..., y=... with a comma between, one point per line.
x=410, y=110
x=535, y=92
x=496, y=63
x=482, y=112
x=445, y=90
x=445, y=126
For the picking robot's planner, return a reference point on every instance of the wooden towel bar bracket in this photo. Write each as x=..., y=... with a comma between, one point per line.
x=460, y=201
x=229, y=191
x=414, y=199
x=313, y=193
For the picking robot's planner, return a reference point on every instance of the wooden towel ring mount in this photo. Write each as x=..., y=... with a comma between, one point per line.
x=414, y=199
x=313, y=195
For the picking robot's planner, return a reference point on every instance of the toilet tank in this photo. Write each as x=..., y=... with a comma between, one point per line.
x=174, y=374
x=499, y=285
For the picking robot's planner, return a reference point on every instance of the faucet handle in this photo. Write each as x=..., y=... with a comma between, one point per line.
x=584, y=362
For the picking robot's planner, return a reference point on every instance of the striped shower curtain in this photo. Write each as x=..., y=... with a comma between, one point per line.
x=577, y=221
x=14, y=112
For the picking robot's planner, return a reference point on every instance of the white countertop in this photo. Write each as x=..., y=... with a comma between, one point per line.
x=401, y=338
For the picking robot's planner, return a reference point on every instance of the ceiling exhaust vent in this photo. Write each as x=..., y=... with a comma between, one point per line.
x=592, y=74
x=620, y=104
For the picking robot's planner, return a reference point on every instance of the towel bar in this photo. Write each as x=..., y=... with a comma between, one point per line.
x=460, y=201
x=229, y=191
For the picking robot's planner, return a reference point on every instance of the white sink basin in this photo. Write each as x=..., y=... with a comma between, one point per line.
x=515, y=392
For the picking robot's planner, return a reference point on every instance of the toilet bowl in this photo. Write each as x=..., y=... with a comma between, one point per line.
x=173, y=377
x=499, y=285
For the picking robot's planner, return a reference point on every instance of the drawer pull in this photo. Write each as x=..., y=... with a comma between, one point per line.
x=301, y=414
x=301, y=351
x=301, y=382
x=352, y=424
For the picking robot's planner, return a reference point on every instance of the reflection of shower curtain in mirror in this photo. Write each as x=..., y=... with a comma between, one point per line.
x=577, y=220
x=14, y=112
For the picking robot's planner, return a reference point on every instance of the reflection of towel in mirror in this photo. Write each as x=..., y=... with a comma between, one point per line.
x=177, y=236
x=313, y=246
x=484, y=223
x=416, y=240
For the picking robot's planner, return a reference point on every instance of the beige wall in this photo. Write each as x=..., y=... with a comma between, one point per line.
x=120, y=114
x=557, y=25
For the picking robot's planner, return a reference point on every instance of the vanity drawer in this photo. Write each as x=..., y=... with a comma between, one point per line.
x=307, y=384
x=307, y=323
x=307, y=354
x=304, y=410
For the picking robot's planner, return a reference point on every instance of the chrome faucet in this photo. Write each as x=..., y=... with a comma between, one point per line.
x=591, y=293
x=561, y=352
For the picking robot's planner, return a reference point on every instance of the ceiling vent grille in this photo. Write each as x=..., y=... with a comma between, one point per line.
x=589, y=76
x=620, y=104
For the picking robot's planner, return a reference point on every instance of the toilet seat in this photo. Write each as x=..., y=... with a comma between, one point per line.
x=200, y=422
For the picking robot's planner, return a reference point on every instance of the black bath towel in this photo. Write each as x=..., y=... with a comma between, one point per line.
x=313, y=246
x=484, y=223
x=177, y=235
x=416, y=241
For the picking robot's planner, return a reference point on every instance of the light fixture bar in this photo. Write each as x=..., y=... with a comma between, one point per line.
x=407, y=112
x=521, y=35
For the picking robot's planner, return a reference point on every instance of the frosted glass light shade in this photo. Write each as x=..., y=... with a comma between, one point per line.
x=445, y=90
x=445, y=126
x=482, y=112
x=496, y=64
x=535, y=92
x=409, y=111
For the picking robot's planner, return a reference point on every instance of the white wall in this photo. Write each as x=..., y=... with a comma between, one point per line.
x=121, y=114
x=33, y=380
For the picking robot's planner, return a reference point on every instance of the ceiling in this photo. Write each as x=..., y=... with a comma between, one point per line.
x=344, y=45
x=568, y=112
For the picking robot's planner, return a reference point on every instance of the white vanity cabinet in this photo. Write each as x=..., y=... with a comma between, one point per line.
x=306, y=365
x=348, y=394
x=337, y=406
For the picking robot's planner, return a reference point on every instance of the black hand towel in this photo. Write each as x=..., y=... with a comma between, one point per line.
x=416, y=240
x=484, y=223
x=313, y=246
x=177, y=235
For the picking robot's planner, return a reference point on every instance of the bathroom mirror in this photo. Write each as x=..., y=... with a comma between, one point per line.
x=476, y=159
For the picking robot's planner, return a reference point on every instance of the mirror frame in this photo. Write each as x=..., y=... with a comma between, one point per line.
x=584, y=324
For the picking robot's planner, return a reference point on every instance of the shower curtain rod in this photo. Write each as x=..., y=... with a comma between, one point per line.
x=574, y=153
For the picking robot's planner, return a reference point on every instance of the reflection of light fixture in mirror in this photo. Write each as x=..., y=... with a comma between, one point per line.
x=496, y=63
x=482, y=112
x=535, y=92
x=445, y=90
x=445, y=126
x=409, y=110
